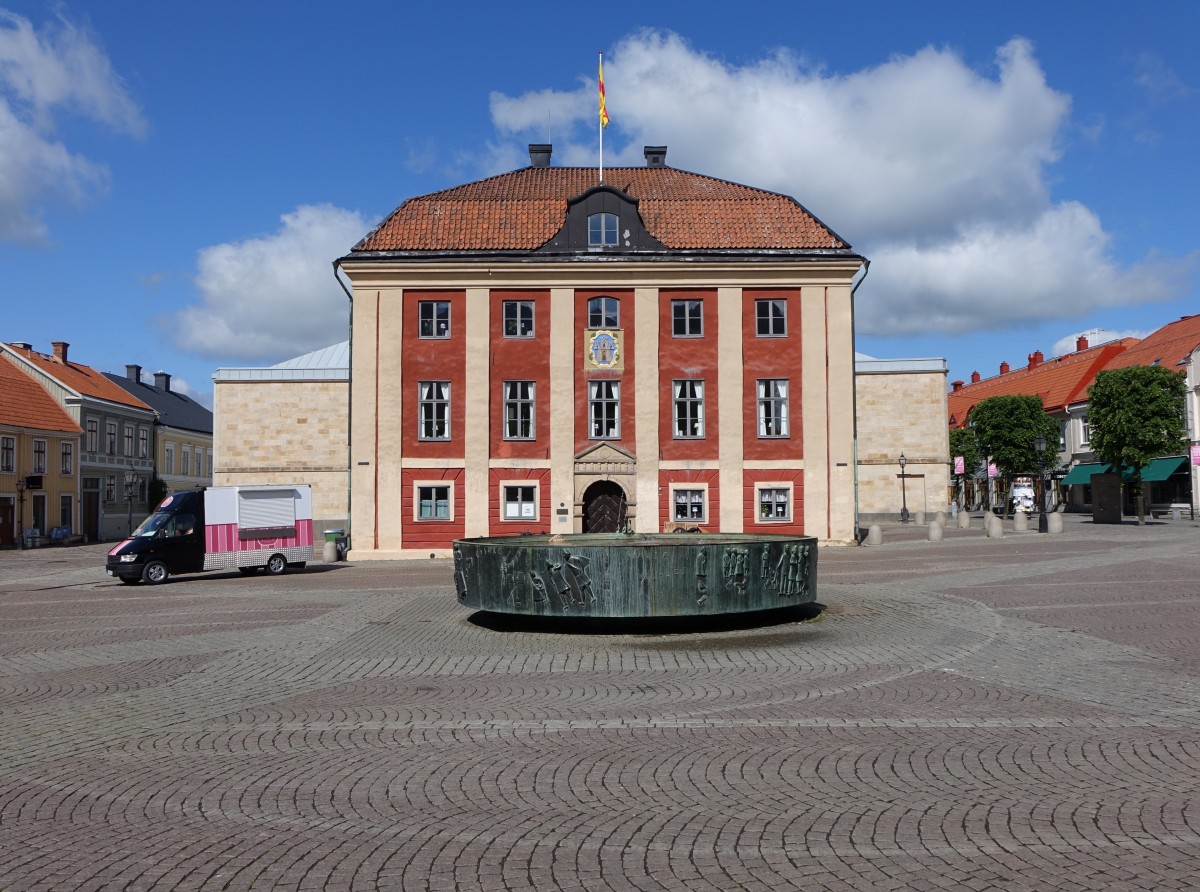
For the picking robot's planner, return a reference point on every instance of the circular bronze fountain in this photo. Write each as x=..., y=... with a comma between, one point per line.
x=636, y=575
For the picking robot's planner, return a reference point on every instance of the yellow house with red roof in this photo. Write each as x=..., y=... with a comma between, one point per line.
x=116, y=443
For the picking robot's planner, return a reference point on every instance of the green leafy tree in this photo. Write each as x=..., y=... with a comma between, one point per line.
x=964, y=443
x=1007, y=427
x=1136, y=414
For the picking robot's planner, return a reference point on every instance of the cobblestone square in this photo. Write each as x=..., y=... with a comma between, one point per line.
x=1016, y=713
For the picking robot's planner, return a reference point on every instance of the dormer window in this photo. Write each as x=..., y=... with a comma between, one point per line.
x=602, y=230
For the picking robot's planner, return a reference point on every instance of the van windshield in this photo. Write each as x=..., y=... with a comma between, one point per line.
x=152, y=524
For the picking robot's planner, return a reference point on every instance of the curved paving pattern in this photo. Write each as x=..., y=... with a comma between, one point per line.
x=1020, y=713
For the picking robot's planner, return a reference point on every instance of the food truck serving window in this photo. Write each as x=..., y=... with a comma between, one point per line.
x=267, y=514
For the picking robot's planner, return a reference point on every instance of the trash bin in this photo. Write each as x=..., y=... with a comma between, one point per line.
x=332, y=535
x=342, y=543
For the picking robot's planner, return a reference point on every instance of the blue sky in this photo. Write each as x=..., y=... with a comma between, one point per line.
x=175, y=179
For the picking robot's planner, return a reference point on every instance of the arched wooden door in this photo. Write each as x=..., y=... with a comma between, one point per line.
x=604, y=507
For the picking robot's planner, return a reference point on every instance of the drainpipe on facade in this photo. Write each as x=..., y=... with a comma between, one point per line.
x=854, y=389
x=349, y=401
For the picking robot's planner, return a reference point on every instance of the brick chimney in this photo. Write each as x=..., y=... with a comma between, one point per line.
x=134, y=373
x=60, y=351
x=1036, y=358
x=539, y=154
x=162, y=381
x=1081, y=343
x=974, y=377
x=956, y=385
x=1004, y=367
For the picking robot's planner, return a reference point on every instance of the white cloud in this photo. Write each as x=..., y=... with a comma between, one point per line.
x=43, y=74
x=270, y=298
x=936, y=171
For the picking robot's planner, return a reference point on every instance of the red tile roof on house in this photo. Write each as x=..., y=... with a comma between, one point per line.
x=80, y=378
x=27, y=404
x=1059, y=381
x=523, y=209
x=1169, y=347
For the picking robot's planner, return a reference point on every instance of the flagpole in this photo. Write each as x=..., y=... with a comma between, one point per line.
x=600, y=118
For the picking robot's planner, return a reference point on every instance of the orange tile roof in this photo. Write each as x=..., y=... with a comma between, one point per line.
x=27, y=404
x=523, y=209
x=1169, y=347
x=1059, y=381
x=80, y=378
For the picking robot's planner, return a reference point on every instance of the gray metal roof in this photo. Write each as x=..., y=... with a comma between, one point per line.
x=327, y=364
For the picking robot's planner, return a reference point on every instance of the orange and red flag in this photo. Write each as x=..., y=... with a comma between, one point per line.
x=603, y=108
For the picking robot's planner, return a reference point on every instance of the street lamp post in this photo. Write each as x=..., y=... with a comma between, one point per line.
x=1040, y=445
x=131, y=479
x=903, y=491
x=21, y=512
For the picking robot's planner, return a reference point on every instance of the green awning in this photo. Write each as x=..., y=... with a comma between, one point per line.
x=1083, y=473
x=1160, y=469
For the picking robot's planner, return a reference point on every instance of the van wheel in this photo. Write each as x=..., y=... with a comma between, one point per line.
x=247, y=571
x=155, y=573
x=276, y=564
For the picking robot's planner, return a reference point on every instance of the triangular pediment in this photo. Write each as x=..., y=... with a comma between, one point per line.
x=605, y=452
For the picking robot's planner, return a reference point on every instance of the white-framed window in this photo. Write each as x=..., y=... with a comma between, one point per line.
x=770, y=315
x=518, y=318
x=772, y=407
x=1062, y=435
x=143, y=442
x=208, y=462
x=129, y=440
x=93, y=435
x=1085, y=431
x=66, y=458
x=774, y=502
x=433, y=501
x=518, y=410
x=39, y=456
x=689, y=503
x=110, y=438
x=110, y=488
x=433, y=319
x=687, y=318
x=688, y=409
x=433, y=406
x=169, y=458
x=519, y=500
x=185, y=461
x=604, y=410
x=8, y=454
x=604, y=312
x=602, y=230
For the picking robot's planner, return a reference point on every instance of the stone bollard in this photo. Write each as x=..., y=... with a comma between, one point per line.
x=329, y=554
x=1020, y=522
x=940, y=519
x=935, y=532
x=964, y=520
x=1054, y=523
x=874, y=535
x=1176, y=514
x=993, y=528
x=919, y=517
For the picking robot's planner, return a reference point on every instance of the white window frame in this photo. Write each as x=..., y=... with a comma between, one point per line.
x=689, y=491
x=518, y=508
x=39, y=457
x=429, y=317
x=128, y=431
x=518, y=318
x=774, y=411
x=1085, y=431
x=185, y=460
x=519, y=409
x=687, y=317
x=168, y=458
x=770, y=320
x=143, y=442
x=433, y=485
x=604, y=230
x=8, y=455
x=433, y=406
x=604, y=393
x=769, y=486
x=93, y=435
x=66, y=458
x=687, y=409
x=110, y=488
x=110, y=438
x=600, y=309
